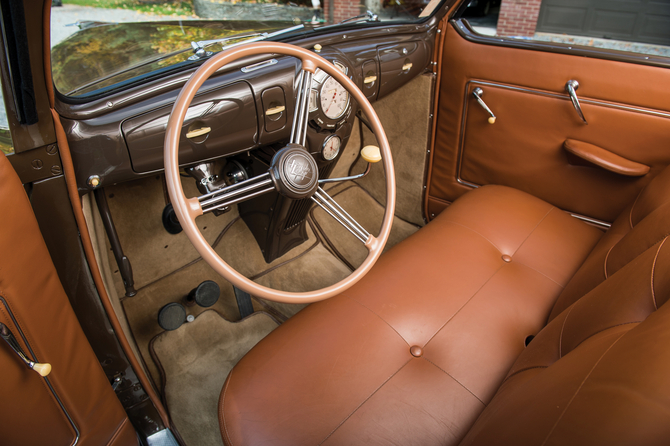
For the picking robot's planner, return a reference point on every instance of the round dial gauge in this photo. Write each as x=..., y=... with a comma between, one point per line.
x=334, y=99
x=331, y=147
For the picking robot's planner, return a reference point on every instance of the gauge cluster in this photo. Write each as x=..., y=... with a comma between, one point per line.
x=329, y=101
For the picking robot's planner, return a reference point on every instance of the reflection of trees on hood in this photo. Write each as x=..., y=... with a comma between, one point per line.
x=96, y=52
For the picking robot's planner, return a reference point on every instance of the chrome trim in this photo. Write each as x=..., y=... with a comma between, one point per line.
x=353, y=177
x=301, y=112
x=258, y=66
x=571, y=87
x=46, y=379
x=593, y=221
x=329, y=205
x=236, y=193
x=162, y=438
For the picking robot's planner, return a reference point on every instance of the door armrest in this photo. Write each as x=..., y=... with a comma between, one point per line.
x=605, y=159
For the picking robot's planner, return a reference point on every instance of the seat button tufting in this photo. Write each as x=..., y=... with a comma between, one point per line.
x=507, y=258
x=416, y=351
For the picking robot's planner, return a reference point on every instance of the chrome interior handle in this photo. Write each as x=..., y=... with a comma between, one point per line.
x=571, y=87
x=478, y=92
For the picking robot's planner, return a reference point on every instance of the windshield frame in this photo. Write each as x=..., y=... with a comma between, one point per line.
x=327, y=32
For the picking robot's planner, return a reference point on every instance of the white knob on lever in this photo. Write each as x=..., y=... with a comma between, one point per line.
x=371, y=154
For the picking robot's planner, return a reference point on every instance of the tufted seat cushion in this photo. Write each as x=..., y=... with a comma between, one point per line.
x=415, y=351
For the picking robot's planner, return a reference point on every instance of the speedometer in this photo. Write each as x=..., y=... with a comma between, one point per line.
x=334, y=99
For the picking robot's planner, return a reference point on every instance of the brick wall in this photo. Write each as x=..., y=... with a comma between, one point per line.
x=344, y=9
x=518, y=17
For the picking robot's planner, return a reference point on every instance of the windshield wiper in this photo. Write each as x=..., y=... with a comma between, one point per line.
x=369, y=16
x=199, y=47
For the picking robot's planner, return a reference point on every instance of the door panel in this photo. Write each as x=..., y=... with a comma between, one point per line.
x=624, y=104
x=75, y=399
x=29, y=394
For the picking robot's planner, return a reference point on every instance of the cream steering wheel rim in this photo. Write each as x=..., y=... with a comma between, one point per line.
x=187, y=209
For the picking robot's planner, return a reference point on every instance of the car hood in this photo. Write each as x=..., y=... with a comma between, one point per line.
x=104, y=54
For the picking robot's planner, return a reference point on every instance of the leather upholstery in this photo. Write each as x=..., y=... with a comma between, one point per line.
x=524, y=148
x=33, y=294
x=644, y=223
x=598, y=373
x=462, y=294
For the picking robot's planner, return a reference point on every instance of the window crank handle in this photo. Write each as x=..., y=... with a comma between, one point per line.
x=478, y=92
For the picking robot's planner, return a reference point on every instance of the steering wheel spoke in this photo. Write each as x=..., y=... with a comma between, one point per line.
x=236, y=193
x=301, y=113
x=332, y=208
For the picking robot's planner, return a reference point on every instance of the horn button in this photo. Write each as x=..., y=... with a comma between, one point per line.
x=294, y=172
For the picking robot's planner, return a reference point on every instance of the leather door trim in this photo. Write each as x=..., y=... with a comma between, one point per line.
x=19, y=331
x=467, y=102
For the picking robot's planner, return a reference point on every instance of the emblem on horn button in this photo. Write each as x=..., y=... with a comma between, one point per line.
x=294, y=172
x=298, y=170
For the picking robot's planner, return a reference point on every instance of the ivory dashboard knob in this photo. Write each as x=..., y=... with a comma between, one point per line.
x=492, y=120
x=371, y=154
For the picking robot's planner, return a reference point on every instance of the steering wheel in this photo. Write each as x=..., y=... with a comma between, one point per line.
x=293, y=172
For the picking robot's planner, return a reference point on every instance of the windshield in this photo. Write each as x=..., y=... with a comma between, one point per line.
x=102, y=44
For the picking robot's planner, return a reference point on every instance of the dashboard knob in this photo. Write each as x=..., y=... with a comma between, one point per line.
x=371, y=154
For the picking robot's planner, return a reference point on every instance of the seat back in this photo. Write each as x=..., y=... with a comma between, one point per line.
x=642, y=224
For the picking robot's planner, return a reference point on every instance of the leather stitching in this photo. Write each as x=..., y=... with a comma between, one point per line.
x=384, y=320
x=364, y=401
x=607, y=256
x=605, y=329
x=560, y=336
x=539, y=272
x=525, y=370
x=653, y=269
x=580, y=388
x=663, y=237
x=452, y=377
x=464, y=304
x=476, y=232
x=533, y=230
x=222, y=419
x=630, y=215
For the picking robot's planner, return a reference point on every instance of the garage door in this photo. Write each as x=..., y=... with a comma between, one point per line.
x=646, y=21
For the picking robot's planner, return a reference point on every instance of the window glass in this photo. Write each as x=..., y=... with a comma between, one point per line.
x=98, y=44
x=636, y=26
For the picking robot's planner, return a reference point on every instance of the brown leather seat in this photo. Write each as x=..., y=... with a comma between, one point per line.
x=416, y=351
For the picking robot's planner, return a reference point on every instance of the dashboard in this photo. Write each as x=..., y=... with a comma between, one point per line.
x=238, y=120
x=245, y=107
